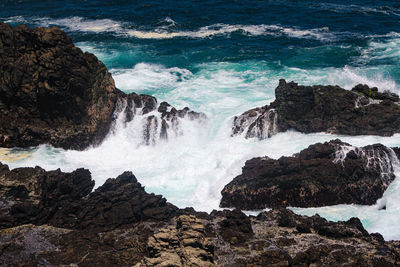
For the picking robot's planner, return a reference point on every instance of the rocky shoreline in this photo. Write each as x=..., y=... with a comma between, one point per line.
x=53, y=93
x=52, y=219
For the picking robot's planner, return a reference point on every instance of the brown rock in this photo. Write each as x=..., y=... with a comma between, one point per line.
x=50, y=91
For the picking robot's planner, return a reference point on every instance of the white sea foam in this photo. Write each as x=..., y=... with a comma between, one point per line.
x=387, y=50
x=149, y=76
x=165, y=32
x=72, y=23
x=226, y=29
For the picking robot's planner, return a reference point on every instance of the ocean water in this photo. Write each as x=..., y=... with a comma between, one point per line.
x=221, y=59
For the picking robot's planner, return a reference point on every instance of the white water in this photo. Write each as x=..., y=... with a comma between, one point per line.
x=192, y=168
x=169, y=31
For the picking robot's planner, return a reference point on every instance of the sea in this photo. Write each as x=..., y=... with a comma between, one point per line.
x=220, y=58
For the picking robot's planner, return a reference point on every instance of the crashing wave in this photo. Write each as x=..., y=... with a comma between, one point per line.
x=156, y=121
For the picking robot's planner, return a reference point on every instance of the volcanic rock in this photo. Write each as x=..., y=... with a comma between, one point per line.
x=310, y=109
x=120, y=224
x=50, y=91
x=32, y=195
x=322, y=174
x=275, y=244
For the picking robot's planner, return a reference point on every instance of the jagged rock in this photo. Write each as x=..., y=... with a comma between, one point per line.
x=323, y=174
x=373, y=93
x=186, y=240
x=31, y=245
x=50, y=91
x=235, y=228
x=326, y=243
x=119, y=202
x=32, y=195
x=308, y=109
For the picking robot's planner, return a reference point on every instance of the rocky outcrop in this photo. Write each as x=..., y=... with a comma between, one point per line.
x=32, y=195
x=281, y=238
x=119, y=224
x=53, y=93
x=309, y=109
x=50, y=91
x=323, y=174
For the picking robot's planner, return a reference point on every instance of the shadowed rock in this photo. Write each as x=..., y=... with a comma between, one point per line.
x=323, y=174
x=50, y=91
x=32, y=195
x=310, y=109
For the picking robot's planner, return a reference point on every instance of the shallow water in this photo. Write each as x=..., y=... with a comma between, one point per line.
x=220, y=59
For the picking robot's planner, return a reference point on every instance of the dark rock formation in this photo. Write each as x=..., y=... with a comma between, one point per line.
x=323, y=174
x=276, y=241
x=308, y=109
x=32, y=195
x=235, y=228
x=119, y=224
x=50, y=91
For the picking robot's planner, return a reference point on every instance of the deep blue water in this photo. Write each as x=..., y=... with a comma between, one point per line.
x=221, y=58
x=341, y=29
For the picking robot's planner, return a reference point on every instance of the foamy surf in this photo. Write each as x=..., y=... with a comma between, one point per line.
x=121, y=28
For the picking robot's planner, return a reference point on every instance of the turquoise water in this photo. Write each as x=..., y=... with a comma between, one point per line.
x=221, y=59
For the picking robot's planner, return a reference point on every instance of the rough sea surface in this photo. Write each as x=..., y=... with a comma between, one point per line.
x=221, y=59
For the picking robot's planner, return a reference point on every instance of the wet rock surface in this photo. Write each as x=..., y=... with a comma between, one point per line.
x=310, y=109
x=119, y=224
x=50, y=91
x=323, y=174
